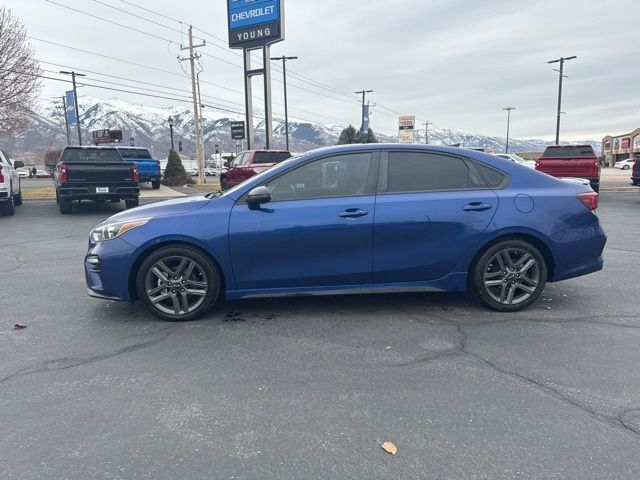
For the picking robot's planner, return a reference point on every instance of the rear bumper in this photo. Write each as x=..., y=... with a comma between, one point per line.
x=579, y=251
x=150, y=178
x=89, y=192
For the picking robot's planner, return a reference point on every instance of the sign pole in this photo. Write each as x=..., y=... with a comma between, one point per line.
x=268, y=120
x=248, y=98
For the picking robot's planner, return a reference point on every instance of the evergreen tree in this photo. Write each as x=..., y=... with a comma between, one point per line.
x=368, y=137
x=349, y=135
x=175, y=174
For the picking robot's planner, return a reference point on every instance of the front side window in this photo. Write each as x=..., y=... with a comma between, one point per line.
x=238, y=160
x=340, y=176
x=419, y=172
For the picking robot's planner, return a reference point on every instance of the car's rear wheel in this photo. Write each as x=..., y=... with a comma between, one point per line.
x=178, y=283
x=65, y=205
x=17, y=199
x=155, y=184
x=8, y=207
x=132, y=203
x=509, y=275
x=626, y=167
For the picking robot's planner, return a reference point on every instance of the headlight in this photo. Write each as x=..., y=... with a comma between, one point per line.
x=113, y=230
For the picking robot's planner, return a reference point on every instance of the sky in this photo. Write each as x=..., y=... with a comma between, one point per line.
x=455, y=63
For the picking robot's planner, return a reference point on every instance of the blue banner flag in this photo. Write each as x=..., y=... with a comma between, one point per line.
x=365, y=118
x=71, y=108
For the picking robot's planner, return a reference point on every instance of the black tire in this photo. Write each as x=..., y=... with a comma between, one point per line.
x=223, y=184
x=17, y=199
x=8, y=207
x=497, y=278
x=205, y=273
x=155, y=184
x=596, y=188
x=626, y=167
x=57, y=197
x=65, y=205
x=132, y=203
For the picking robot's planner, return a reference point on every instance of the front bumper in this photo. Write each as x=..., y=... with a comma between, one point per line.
x=106, y=269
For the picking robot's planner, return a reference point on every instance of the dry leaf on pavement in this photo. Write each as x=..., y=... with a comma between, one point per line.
x=389, y=447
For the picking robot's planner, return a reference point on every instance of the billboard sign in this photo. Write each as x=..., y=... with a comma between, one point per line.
x=237, y=130
x=636, y=143
x=70, y=101
x=616, y=144
x=106, y=136
x=407, y=129
x=255, y=23
x=625, y=143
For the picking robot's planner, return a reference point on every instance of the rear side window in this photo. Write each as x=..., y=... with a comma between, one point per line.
x=569, y=152
x=493, y=178
x=418, y=172
x=135, y=153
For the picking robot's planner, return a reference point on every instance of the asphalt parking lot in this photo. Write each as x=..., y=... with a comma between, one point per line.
x=308, y=388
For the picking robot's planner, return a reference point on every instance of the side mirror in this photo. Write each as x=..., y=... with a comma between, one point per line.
x=226, y=163
x=50, y=163
x=18, y=164
x=258, y=196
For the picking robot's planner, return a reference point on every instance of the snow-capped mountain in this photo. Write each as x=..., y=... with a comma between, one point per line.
x=149, y=127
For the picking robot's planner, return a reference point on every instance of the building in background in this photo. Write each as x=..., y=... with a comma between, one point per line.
x=621, y=147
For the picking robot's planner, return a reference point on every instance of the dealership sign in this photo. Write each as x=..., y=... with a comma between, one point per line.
x=255, y=23
x=237, y=130
x=406, y=129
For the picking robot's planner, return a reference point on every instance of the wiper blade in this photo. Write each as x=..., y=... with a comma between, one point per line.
x=213, y=194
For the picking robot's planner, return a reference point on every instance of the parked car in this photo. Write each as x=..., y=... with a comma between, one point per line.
x=95, y=173
x=512, y=157
x=571, y=161
x=42, y=174
x=250, y=163
x=22, y=173
x=212, y=171
x=192, y=171
x=10, y=191
x=354, y=219
x=625, y=164
x=635, y=174
x=148, y=167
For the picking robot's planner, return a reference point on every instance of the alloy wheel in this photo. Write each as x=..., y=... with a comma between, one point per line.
x=176, y=285
x=511, y=276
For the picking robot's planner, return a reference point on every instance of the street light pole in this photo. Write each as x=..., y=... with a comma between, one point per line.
x=286, y=108
x=508, y=109
x=561, y=60
x=75, y=99
x=426, y=131
x=171, y=130
x=364, y=94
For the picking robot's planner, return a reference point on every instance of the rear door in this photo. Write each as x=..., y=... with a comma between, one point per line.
x=316, y=232
x=430, y=210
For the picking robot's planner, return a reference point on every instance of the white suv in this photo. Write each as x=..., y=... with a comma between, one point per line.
x=10, y=193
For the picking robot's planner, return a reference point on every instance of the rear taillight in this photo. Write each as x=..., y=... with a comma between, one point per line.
x=135, y=175
x=64, y=174
x=589, y=199
x=1, y=175
x=158, y=167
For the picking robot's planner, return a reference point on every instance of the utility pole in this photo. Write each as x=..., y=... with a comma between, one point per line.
x=508, y=109
x=284, y=79
x=63, y=104
x=426, y=131
x=561, y=60
x=364, y=94
x=75, y=100
x=171, y=131
x=196, y=110
x=204, y=156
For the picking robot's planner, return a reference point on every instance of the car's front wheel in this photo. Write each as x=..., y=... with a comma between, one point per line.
x=626, y=167
x=509, y=276
x=178, y=283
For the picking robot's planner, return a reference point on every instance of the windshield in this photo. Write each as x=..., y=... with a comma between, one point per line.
x=91, y=155
x=135, y=153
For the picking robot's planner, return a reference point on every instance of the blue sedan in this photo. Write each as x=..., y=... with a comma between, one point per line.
x=354, y=219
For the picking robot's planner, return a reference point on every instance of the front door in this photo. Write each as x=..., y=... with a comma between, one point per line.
x=431, y=210
x=316, y=231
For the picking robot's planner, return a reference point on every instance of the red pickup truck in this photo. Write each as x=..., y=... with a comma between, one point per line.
x=250, y=163
x=578, y=161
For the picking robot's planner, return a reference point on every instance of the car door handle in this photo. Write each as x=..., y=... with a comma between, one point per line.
x=476, y=207
x=353, y=213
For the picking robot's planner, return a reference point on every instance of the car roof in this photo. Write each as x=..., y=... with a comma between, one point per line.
x=88, y=147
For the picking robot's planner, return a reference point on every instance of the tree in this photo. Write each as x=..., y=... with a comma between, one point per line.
x=368, y=137
x=52, y=155
x=175, y=174
x=348, y=136
x=19, y=74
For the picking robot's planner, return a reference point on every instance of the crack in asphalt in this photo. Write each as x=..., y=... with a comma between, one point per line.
x=623, y=250
x=66, y=363
x=633, y=427
x=41, y=241
x=19, y=260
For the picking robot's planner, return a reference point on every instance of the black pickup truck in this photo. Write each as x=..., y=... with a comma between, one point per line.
x=95, y=173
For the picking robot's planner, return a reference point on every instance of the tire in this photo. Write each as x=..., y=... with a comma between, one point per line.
x=626, y=167
x=65, y=205
x=516, y=271
x=8, y=208
x=173, y=304
x=17, y=199
x=132, y=203
x=223, y=184
x=596, y=188
x=155, y=184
